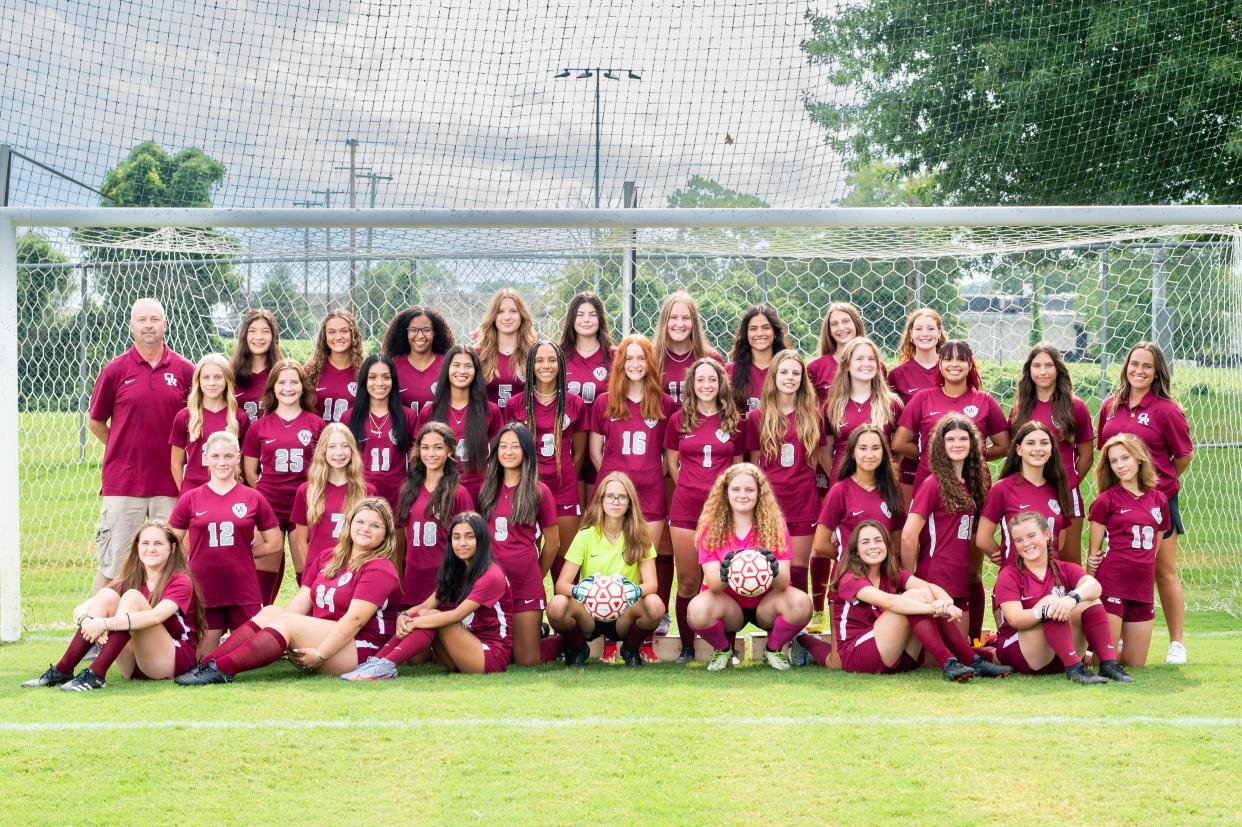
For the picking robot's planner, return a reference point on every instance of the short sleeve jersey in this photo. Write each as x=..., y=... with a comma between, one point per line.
x=929, y=406
x=562, y=478
x=791, y=474
x=854, y=617
x=735, y=543
x=506, y=383
x=673, y=372
x=284, y=450
x=1083, y=432
x=375, y=582
x=1134, y=527
x=854, y=416
x=1013, y=495
x=849, y=504
x=139, y=401
x=336, y=390
x=514, y=545
x=456, y=419
x=634, y=446
x=910, y=377
x=587, y=377
x=180, y=624
x=757, y=378
x=703, y=454
x=417, y=387
x=823, y=370
x=321, y=536
x=1019, y=584
x=250, y=395
x=1162, y=426
x=425, y=540
x=196, y=472
x=383, y=461
x=593, y=554
x=220, y=529
x=492, y=621
x=944, y=542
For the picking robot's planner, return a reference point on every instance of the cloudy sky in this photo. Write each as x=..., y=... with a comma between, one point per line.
x=456, y=100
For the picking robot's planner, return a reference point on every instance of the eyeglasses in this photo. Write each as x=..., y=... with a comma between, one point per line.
x=420, y=331
x=617, y=498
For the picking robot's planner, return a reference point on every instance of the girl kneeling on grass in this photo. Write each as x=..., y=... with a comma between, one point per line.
x=1044, y=605
x=346, y=609
x=886, y=617
x=467, y=623
x=614, y=540
x=741, y=513
x=147, y=620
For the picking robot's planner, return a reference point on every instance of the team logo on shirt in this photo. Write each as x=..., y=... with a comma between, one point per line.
x=1157, y=514
x=1058, y=591
x=971, y=410
x=239, y=509
x=170, y=379
x=650, y=423
x=345, y=578
x=1054, y=507
x=885, y=510
x=392, y=435
x=304, y=436
x=353, y=388
x=721, y=435
x=564, y=421
x=1144, y=419
x=433, y=386
x=600, y=373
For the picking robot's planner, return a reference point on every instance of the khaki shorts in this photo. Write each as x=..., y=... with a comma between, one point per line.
x=120, y=518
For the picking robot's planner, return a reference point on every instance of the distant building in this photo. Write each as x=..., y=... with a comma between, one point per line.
x=998, y=327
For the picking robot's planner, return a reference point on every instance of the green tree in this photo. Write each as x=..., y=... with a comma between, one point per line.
x=281, y=294
x=48, y=372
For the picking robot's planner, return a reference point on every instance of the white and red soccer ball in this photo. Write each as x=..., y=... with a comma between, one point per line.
x=750, y=573
x=609, y=597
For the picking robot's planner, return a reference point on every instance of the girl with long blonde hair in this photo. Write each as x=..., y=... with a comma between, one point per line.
x=506, y=334
x=679, y=341
x=334, y=483
x=210, y=407
x=918, y=366
x=842, y=323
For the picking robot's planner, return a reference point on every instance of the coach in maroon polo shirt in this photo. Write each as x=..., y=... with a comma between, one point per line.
x=133, y=404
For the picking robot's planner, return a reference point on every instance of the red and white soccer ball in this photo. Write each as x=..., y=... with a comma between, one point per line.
x=607, y=600
x=750, y=573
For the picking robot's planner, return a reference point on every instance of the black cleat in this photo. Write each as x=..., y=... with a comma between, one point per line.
x=1079, y=673
x=633, y=658
x=577, y=655
x=202, y=675
x=84, y=682
x=686, y=656
x=1112, y=670
x=49, y=678
x=955, y=670
x=984, y=668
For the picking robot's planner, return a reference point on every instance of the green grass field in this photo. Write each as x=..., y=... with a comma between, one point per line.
x=667, y=745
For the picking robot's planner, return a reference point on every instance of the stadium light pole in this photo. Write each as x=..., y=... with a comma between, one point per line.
x=373, y=178
x=327, y=238
x=306, y=250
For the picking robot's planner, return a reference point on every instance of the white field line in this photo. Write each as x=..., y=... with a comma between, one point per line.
x=1179, y=722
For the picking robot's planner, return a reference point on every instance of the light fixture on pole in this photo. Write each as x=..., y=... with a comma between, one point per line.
x=597, y=72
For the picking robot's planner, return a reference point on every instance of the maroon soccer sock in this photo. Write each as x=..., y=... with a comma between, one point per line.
x=714, y=635
x=267, y=646
x=416, y=641
x=683, y=623
x=572, y=638
x=821, y=650
x=77, y=649
x=1096, y=629
x=235, y=640
x=782, y=632
x=952, y=637
x=269, y=584
x=550, y=648
x=1060, y=637
x=797, y=577
x=108, y=654
x=664, y=577
x=557, y=565
x=821, y=568
x=978, y=605
x=924, y=628
x=634, y=637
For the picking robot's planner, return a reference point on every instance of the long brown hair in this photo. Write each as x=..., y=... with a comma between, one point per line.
x=651, y=406
x=1062, y=401
x=319, y=356
x=773, y=424
x=440, y=501
x=827, y=344
x=974, y=467
x=569, y=337
x=634, y=529
x=886, y=481
x=1040, y=520
x=883, y=400
x=906, y=350
x=525, y=505
x=715, y=527
x=342, y=555
x=134, y=574
x=306, y=401
x=558, y=402
x=730, y=418
x=699, y=345
x=194, y=402
x=743, y=358
x=240, y=361
x=1106, y=478
x=1161, y=383
x=890, y=569
x=487, y=343
x=1054, y=471
x=317, y=474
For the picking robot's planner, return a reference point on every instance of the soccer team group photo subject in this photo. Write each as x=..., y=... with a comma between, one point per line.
x=425, y=494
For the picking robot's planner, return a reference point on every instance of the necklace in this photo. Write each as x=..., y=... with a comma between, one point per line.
x=545, y=398
x=681, y=360
x=377, y=425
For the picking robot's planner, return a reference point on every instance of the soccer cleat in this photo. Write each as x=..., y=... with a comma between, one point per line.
x=633, y=657
x=984, y=668
x=1112, y=670
x=647, y=653
x=798, y=655
x=720, y=660
x=609, y=654
x=202, y=675
x=84, y=682
x=1079, y=673
x=1177, y=654
x=776, y=659
x=955, y=670
x=686, y=656
x=817, y=625
x=49, y=678
x=577, y=655
x=662, y=629
x=373, y=669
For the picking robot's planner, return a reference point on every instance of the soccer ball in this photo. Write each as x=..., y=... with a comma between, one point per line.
x=609, y=597
x=750, y=573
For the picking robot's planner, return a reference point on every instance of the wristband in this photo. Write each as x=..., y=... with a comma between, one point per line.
x=1042, y=615
x=1074, y=594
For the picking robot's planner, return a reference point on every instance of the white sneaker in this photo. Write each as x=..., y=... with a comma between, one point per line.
x=720, y=660
x=1177, y=653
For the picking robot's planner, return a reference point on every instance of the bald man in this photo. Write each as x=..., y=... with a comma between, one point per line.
x=133, y=404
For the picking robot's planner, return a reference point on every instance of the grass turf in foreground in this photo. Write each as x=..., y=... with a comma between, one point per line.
x=668, y=744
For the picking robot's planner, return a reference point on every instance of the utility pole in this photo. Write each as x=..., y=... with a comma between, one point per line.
x=306, y=251
x=327, y=239
x=372, y=180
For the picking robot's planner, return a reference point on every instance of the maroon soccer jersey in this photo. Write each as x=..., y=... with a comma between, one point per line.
x=673, y=373
x=492, y=621
x=1017, y=583
x=1134, y=527
x=425, y=541
x=944, y=542
x=220, y=529
x=383, y=462
x=506, y=383
x=562, y=479
x=139, y=402
x=196, y=472
x=514, y=544
x=928, y=407
x=853, y=416
x=849, y=504
x=472, y=480
x=757, y=377
x=336, y=390
x=791, y=475
x=1013, y=495
x=704, y=454
x=587, y=377
x=250, y=395
x=906, y=380
x=417, y=387
x=1161, y=425
x=321, y=536
x=735, y=543
x=1083, y=432
x=633, y=446
x=179, y=625
x=375, y=582
x=284, y=450
x=822, y=370
x=853, y=618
